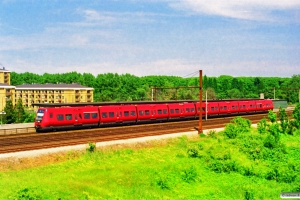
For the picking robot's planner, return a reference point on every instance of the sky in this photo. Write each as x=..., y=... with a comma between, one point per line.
x=151, y=37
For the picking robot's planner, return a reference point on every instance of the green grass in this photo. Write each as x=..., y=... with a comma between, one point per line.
x=199, y=168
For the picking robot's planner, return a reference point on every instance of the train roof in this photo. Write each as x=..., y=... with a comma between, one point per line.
x=129, y=102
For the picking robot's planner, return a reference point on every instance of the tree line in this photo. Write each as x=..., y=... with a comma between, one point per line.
x=127, y=87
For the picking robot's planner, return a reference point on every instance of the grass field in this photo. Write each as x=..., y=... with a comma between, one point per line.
x=211, y=167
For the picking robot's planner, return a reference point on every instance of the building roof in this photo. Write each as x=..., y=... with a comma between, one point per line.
x=3, y=69
x=5, y=85
x=51, y=86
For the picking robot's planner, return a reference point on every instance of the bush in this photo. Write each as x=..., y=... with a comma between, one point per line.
x=284, y=120
x=230, y=131
x=29, y=193
x=193, y=152
x=189, y=175
x=270, y=142
x=282, y=174
x=272, y=116
x=236, y=126
x=296, y=116
x=91, y=148
x=212, y=134
x=249, y=195
x=262, y=126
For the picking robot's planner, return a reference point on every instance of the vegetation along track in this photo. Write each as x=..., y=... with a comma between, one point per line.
x=15, y=143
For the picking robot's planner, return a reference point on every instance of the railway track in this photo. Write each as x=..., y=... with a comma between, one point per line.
x=34, y=141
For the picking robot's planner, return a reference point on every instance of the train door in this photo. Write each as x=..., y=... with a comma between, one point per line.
x=119, y=114
x=77, y=116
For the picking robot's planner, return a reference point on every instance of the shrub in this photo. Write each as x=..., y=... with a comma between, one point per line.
x=282, y=174
x=189, y=175
x=249, y=195
x=272, y=116
x=236, y=126
x=284, y=120
x=230, y=131
x=274, y=130
x=212, y=134
x=296, y=116
x=193, y=152
x=270, y=142
x=262, y=126
x=163, y=181
x=29, y=193
x=91, y=148
x=223, y=166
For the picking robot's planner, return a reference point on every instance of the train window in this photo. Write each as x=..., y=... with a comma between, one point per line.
x=172, y=111
x=111, y=114
x=187, y=110
x=51, y=115
x=60, y=117
x=217, y=108
x=193, y=110
x=250, y=106
x=221, y=108
x=94, y=115
x=203, y=109
x=153, y=112
x=244, y=106
x=126, y=113
x=177, y=110
x=165, y=111
x=68, y=116
x=86, y=116
x=225, y=107
x=120, y=114
x=104, y=115
x=141, y=112
x=159, y=112
x=147, y=112
x=233, y=107
x=132, y=113
x=260, y=106
x=40, y=111
x=212, y=108
x=237, y=107
x=241, y=107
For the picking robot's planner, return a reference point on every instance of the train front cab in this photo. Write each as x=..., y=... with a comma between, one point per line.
x=66, y=118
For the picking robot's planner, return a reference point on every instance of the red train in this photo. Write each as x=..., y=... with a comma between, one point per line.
x=97, y=116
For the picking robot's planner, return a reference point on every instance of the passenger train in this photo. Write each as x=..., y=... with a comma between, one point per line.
x=57, y=118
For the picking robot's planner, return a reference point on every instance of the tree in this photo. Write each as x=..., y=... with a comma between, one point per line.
x=20, y=114
x=9, y=117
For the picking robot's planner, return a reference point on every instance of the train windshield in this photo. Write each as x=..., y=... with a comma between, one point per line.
x=39, y=115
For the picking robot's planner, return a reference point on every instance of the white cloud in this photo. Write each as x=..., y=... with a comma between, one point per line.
x=243, y=9
x=93, y=15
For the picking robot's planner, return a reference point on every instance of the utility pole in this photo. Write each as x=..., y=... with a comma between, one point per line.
x=200, y=131
x=206, y=105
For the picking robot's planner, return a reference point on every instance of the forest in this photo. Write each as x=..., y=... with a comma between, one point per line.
x=127, y=87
